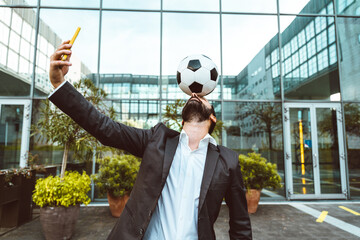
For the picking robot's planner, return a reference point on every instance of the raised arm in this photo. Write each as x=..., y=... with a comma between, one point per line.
x=71, y=102
x=240, y=226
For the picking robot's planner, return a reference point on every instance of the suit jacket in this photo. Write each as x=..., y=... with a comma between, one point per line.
x=156, y=146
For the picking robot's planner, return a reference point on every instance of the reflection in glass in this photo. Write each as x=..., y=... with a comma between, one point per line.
x=328, y=149
x=301, y=151
x=307, y=6
x=70, y=3
x=347, y=7
x=309, y=59
x=133, y=4
x=130, y=60
x=11, y=122
x=140, y=113
x=352, y=126
x=180, y=40
x=53, y=32
x=17, y=38
x=251, y=63
x=199, y=5
x=19, y=2
x=255, y=127
x=259, y=6
x=349, y=32
x=49, y=154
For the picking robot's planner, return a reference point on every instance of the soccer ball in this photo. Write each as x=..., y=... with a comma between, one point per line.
x=197, y=74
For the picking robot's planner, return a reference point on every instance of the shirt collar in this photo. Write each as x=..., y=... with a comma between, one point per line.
x=184, y=138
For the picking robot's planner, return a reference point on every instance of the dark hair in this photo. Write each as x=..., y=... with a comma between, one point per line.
x=212, y=126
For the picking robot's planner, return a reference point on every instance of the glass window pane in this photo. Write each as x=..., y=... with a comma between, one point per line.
x=260, y=6
x=4, y=33
x=5, y=15
x=328, y=150
x=347, y=7
x=13, y=61
x=352, y=126
x=318, y=74
x=348, y=29
x=11, y=125
x=19, y=2
x=26, y=31
x=137, y=113
x=306, y=6
x=255, y=127
x=53, y=32
x=180, y=41
x=71, y=3
x=16, y=23
x=199, y=5
x=3, y=55
x=14, y=42
x=133, y=4
x=244, y=58
x=130, y=54
x=301, y=156
x=15, y=50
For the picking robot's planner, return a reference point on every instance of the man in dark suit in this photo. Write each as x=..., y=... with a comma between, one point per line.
x=183, y=177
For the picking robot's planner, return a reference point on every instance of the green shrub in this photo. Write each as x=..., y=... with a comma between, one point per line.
x=117, y=174
x=258, y=173
x=72, y=190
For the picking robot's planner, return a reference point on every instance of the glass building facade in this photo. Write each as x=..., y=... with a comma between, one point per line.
x=288, y=87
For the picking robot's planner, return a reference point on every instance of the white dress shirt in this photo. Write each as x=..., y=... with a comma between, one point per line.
x=176, y=213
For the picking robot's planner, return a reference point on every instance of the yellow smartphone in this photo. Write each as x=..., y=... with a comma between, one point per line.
x=71, y=42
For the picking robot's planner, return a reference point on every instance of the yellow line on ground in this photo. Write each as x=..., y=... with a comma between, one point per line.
x=349, y=210
x=322, y=216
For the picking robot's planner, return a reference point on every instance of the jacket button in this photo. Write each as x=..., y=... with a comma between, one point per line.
x=141, y=231
x=150, y=213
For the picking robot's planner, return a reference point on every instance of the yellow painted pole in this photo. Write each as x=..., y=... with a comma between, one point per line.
x=302, y=156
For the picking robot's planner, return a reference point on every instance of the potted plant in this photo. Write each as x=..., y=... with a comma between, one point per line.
x=59, y=200
x=257, y=174
x=116, y=177
x=55, y=127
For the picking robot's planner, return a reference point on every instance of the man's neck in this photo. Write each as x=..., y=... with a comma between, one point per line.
x=196, y=131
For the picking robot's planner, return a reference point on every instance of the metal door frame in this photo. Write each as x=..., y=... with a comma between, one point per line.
x=288, y=159
x=25, y=136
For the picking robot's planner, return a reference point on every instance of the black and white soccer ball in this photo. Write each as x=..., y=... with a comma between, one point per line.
x=197, y=74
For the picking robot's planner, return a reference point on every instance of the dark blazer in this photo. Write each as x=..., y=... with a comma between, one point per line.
x=156, y=146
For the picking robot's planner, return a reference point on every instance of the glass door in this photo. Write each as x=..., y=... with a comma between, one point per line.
x=314, y=151
x=14, y=132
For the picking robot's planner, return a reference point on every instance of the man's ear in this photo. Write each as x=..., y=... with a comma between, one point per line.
x=213, y=118
x=182, y=122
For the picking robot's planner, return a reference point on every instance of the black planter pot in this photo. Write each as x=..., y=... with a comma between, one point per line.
x=9, y=202
x=25, y=203
x=58, y=223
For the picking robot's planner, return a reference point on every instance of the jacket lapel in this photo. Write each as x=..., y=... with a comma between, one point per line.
x=210, y=164
x=170, y=149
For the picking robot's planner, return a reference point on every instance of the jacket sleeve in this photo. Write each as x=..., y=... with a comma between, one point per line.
x=107, y=131
x=240, y=226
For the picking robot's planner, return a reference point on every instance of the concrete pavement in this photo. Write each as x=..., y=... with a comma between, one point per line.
x=281, y=220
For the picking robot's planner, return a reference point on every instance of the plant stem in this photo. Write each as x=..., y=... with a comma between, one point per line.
x=64, y=161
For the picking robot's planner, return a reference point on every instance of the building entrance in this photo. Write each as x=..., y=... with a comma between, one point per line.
x=14, y=133
x=314, y=151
